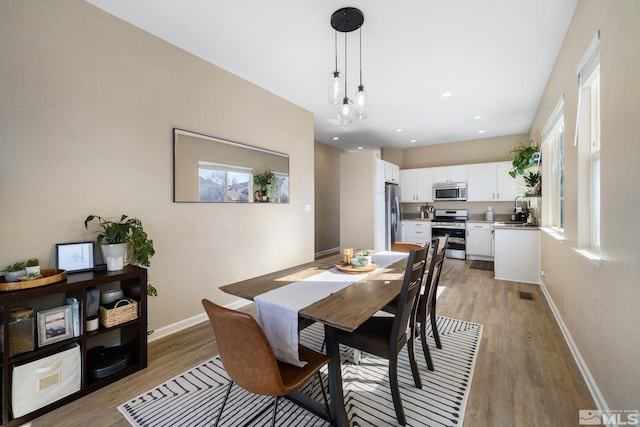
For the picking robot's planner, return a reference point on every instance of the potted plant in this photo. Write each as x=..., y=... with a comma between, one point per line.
x=128, y=232
x=526, y=162
x=266, y=182
x=32, y=267
x=13, y=272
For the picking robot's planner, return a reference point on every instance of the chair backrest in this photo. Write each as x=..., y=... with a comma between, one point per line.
x=413, y=277
x=244, y=350
x=433, y=276
x=405, y=246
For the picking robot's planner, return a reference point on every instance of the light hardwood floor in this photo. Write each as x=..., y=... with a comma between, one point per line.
x=524, y=376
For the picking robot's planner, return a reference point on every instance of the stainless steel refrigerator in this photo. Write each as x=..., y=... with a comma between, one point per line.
x=392, y=215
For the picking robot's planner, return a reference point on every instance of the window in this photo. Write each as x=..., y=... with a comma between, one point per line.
x=588, y=142
x=223, y=183
x=553, y=180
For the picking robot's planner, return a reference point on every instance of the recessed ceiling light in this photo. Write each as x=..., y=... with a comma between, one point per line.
x=482, y=131
x=446, y=94
x=360, y=148
x=413, y=140
x=335, y=138
x=477, y=117
x=398, y=130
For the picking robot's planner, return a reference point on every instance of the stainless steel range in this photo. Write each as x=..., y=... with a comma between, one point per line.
x=451, y=222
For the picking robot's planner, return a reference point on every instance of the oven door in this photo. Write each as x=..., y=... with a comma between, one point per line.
x=456, y=242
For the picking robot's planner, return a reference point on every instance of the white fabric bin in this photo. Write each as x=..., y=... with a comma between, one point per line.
x=43, y=381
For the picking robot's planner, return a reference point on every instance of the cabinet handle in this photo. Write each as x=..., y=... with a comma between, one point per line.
x=498, y=196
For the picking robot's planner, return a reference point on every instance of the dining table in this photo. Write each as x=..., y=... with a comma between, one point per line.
x=344, y=309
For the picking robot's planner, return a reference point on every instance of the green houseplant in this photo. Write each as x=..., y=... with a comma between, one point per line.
x=266, y=182
x=14, y=271
x=526, y=161
x=127, y=231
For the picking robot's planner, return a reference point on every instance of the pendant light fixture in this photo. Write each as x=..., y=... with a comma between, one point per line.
x=346, y=20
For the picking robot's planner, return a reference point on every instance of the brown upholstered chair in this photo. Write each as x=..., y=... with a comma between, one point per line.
x=249, y=360
x=386, y=336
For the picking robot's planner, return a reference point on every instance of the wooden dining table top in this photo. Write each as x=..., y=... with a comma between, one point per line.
x=346, y=309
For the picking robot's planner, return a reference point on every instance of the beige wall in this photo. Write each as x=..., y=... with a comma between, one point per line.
x=599, y=303
x=327, y=197
x=87, y=108
x=463, y=152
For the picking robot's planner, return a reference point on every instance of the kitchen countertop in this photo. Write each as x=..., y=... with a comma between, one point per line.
x=503, y=226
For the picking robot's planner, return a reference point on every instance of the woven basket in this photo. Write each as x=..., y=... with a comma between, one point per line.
x=119, y=313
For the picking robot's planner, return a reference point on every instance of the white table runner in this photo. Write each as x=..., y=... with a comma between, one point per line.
x=277, y=310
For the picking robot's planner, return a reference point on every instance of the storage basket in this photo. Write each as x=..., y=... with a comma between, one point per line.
x=119, y=313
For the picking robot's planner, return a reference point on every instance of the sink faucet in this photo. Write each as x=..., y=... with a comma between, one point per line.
x=515, y=202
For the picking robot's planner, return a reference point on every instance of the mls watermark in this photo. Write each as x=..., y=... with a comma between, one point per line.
x=622, y=417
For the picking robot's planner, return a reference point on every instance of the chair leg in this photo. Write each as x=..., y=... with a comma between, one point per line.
x=412, y=361
x=275, y=411
x=224, y=402
x=434, y=327
x=425, y=346
x=395, y=390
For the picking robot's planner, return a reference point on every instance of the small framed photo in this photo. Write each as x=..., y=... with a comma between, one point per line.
x=54, y=324
x=74, y=257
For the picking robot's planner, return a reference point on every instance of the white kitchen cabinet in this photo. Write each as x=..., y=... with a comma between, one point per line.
x=456, y=173
x=416, y=185
x=517, y=254
x=508, y=188
x=479, y=240
x=416, y=231
x=391, y=173
x=491, y=182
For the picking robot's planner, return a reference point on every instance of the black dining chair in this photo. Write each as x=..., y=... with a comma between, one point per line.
x=427, y=302
x=426, y=305
x=249, y=361
x=386, y=336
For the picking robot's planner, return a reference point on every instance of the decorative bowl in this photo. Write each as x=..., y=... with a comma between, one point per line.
x=361, y=261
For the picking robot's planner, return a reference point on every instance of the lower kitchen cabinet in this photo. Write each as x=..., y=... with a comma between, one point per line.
x=517, y=254
x=49, y=360
x=479, y=240
x=416, y=231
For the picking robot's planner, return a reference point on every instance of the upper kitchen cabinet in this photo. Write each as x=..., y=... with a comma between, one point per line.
x=391, y=173
x=456, y=173
x=491, y=182
x=416, y=185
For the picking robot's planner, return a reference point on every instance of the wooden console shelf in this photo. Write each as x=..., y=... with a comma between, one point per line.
x=133, y=282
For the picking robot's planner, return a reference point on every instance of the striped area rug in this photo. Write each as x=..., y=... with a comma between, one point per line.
x=194, y=397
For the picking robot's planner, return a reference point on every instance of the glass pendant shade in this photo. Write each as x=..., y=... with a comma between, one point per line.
x=336, y=85
x=345, y=111
x=361, y=104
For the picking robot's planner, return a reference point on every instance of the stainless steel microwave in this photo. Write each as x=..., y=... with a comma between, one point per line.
x=449, y=191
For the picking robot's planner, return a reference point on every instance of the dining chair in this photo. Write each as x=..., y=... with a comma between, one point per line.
x=386, y=336
x=426, y=306
x=250, y=362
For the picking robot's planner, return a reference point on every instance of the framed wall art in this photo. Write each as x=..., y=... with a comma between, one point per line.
x=74, y=257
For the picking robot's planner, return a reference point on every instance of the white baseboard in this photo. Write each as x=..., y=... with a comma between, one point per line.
x=165, y=331
x=597, y=396
x=327, y=252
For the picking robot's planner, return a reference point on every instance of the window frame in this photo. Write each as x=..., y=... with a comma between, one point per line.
x=553, y=156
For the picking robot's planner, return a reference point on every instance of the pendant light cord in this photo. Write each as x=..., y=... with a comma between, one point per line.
x=345, y=65
x=335, y=50
x=360, y=32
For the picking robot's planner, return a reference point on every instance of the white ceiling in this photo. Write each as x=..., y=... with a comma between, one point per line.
x=493, y=56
